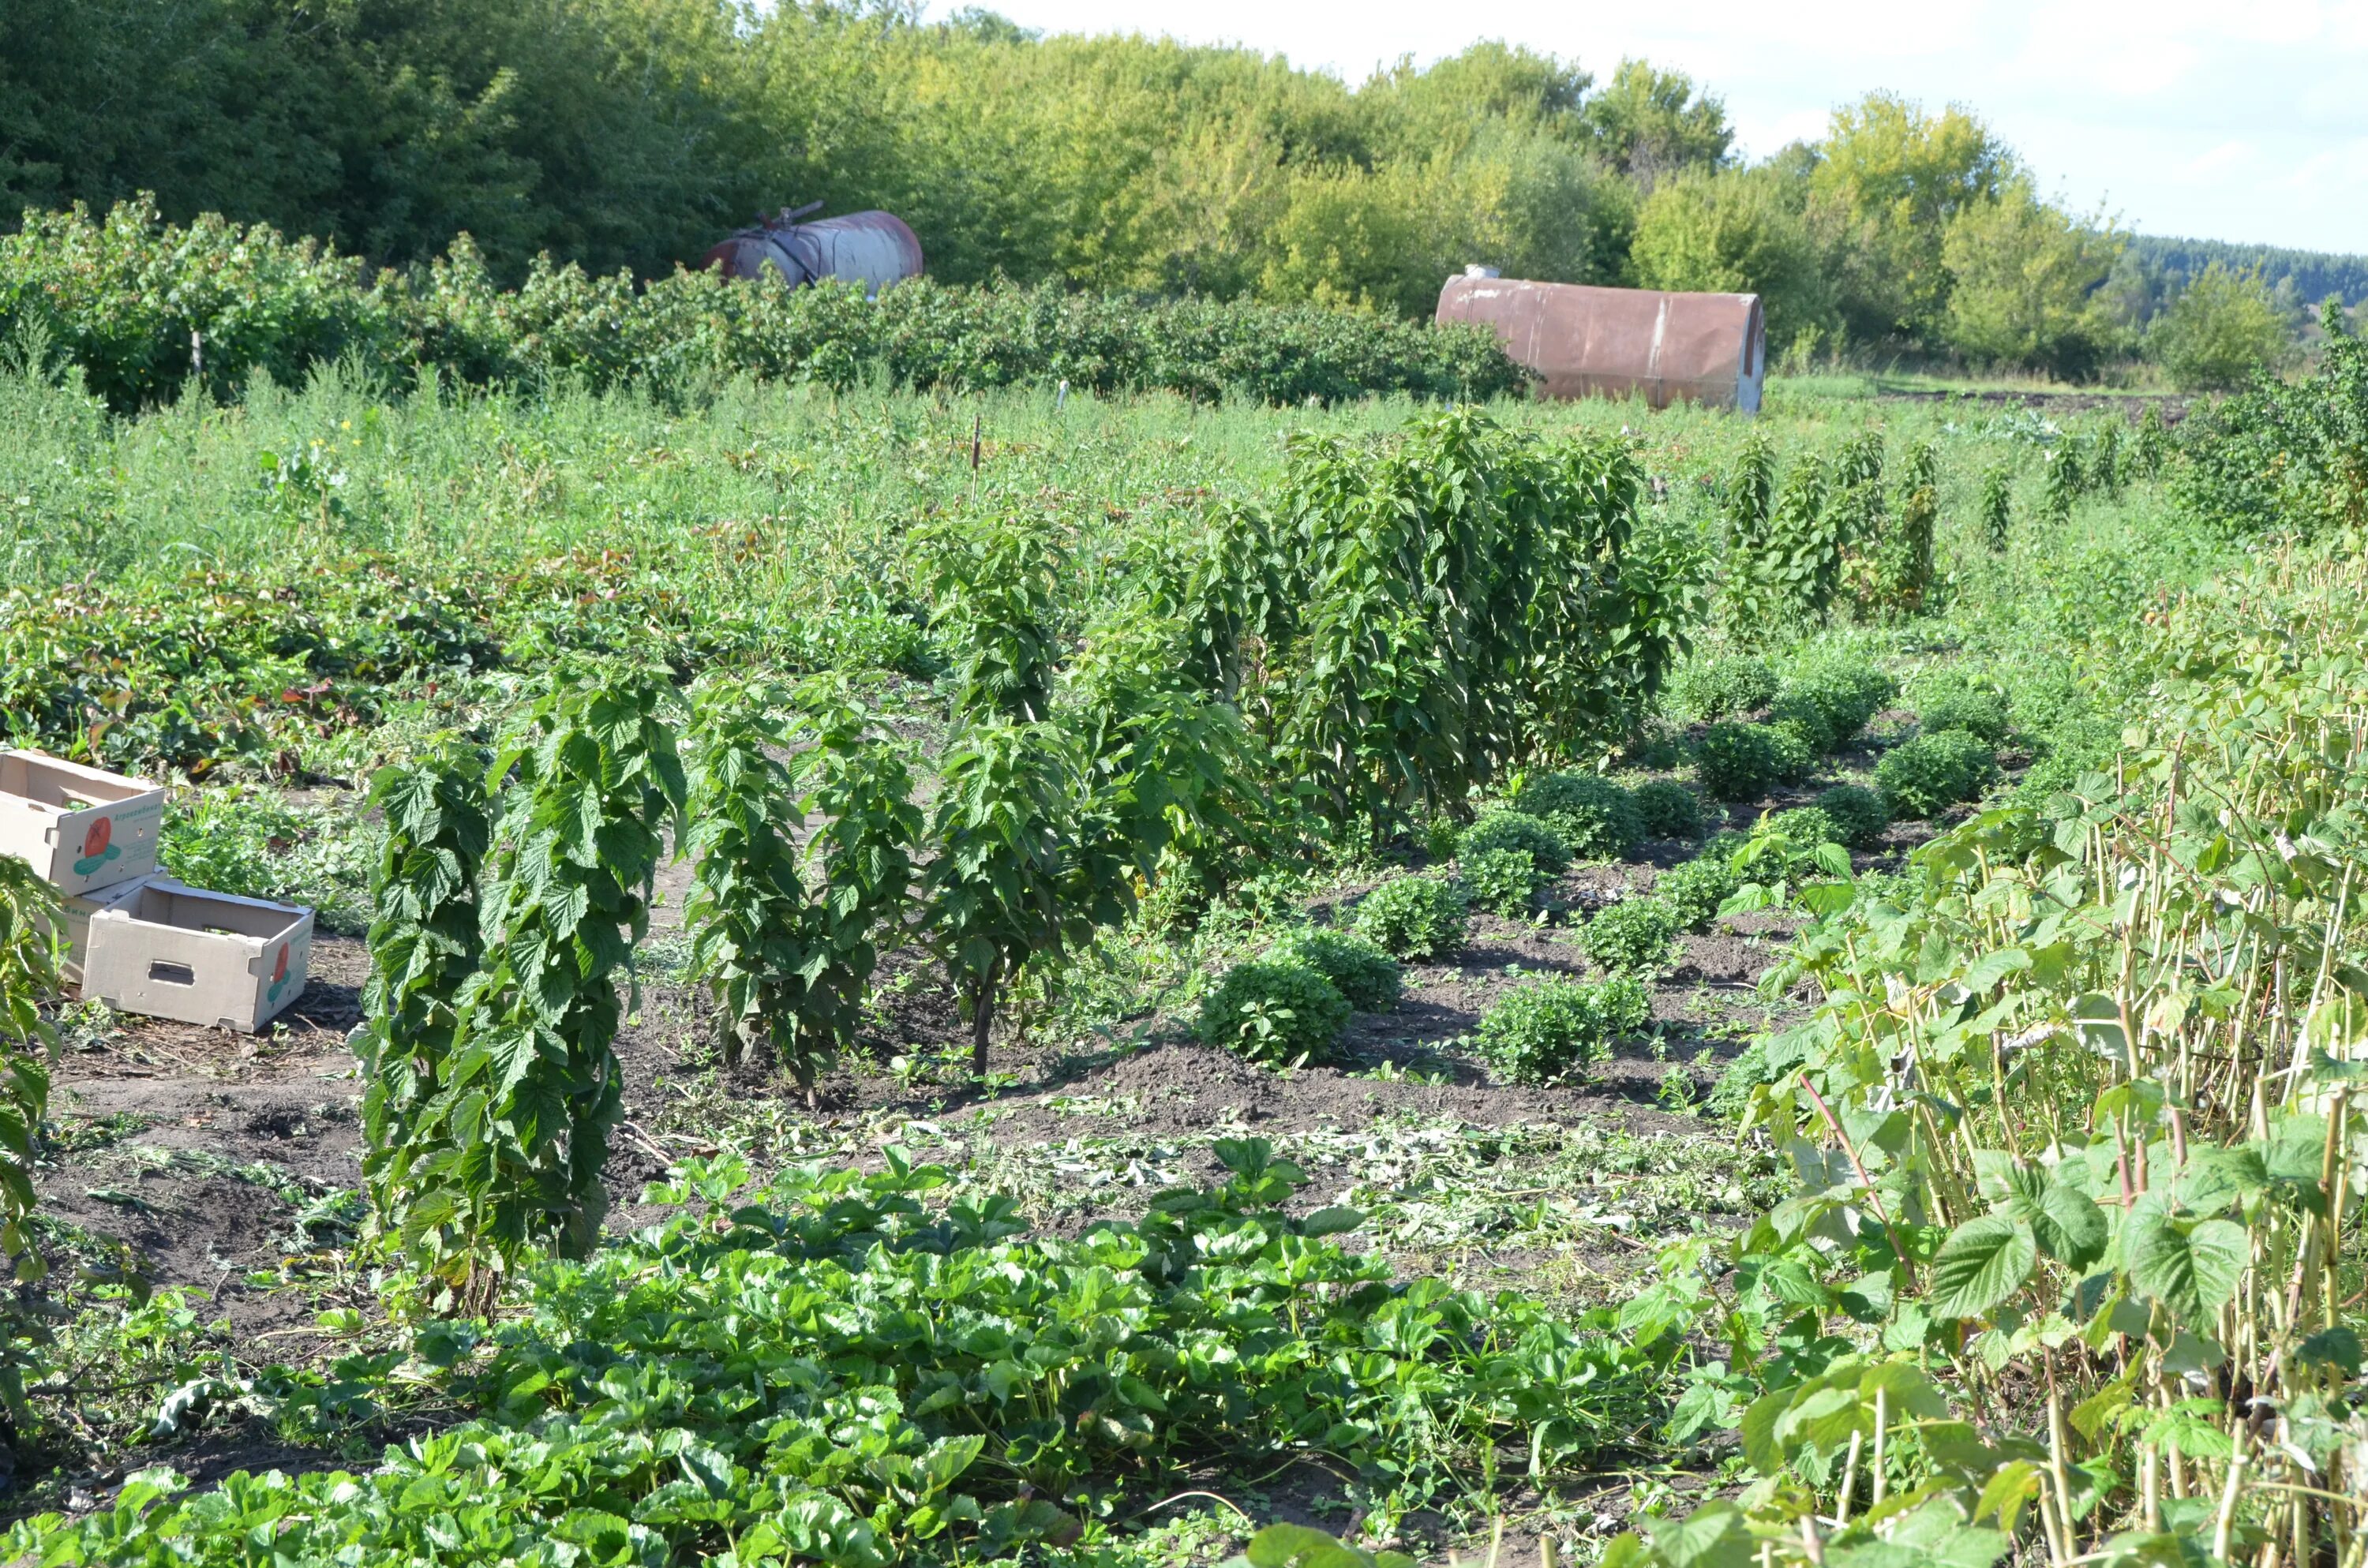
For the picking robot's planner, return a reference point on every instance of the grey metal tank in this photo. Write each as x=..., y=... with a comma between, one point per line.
x=874, y=249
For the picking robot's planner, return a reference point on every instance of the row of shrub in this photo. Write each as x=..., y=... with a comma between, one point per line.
x=145, y=309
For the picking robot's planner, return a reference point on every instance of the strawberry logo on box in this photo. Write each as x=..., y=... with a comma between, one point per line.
x=99, y=846
x=278, y=976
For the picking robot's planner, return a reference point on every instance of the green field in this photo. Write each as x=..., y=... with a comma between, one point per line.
x=1521, y=989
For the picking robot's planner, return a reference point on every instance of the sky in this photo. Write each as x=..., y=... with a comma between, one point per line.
x=2230, y=119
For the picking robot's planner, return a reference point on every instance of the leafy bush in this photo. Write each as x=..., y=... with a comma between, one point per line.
x=1275, y=1010
x=1803, y=723
x=1952, y=701
x=515, y=1158
x=1414, y=917
x=120, y=296
x=2283, y=456
x=1809, y=824
x=1502, y=881
x=1668, y=809
x=1741, y=762
x=1517, y=830
x=1694, y=891
x=1933, y=772
x=1722, y=688
x=1361, y=971
x=1857, y=811
x=1549, y=1031
x=1413, y=631
x=1631, y=935
x=1847, y=693
x=1791, y=755
x=1596, y=818
x=426, y=941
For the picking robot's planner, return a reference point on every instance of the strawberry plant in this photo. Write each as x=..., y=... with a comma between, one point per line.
x=425, y=943
x=508, y=1152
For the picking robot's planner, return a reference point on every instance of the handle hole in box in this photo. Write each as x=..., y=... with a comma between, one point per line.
x=172, y=973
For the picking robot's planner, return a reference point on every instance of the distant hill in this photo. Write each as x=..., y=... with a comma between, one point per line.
x=2313, y=274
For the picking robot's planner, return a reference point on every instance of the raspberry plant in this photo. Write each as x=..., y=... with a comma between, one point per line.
x=1995, y=510
x=425, y=944
x=786, y=937
x=508, y=1152
x=29, y=982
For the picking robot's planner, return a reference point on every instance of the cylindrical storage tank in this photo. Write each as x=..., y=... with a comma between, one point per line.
x=874, y=249
x=1581, y=341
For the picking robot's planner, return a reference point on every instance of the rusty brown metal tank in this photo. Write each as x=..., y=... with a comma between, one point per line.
x=874, y=249
x=1581, y=341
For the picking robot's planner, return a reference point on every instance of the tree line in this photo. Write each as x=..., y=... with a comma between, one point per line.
x=630, y=134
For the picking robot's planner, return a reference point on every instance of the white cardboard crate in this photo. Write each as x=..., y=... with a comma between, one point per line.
x=173, y=951
x=75, y=910
x=79, y=827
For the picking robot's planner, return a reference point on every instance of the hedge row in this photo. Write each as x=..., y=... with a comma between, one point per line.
x=122, y=296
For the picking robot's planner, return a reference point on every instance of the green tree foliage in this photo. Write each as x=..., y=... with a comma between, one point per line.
x=2022, y=281
x=1887, y=182
x=2223, y=329
x=1732, y=232
x=508, y=1152
x=1652, y=124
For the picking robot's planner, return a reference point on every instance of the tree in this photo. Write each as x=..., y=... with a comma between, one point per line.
x=1730, y=232
x=1650, y=124
x=2223, y=328
x=2023, y=277
x=1887, y=179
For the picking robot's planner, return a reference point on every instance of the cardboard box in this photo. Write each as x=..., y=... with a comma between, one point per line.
x=172, y=952
x=79, y=827
x=76, y=910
